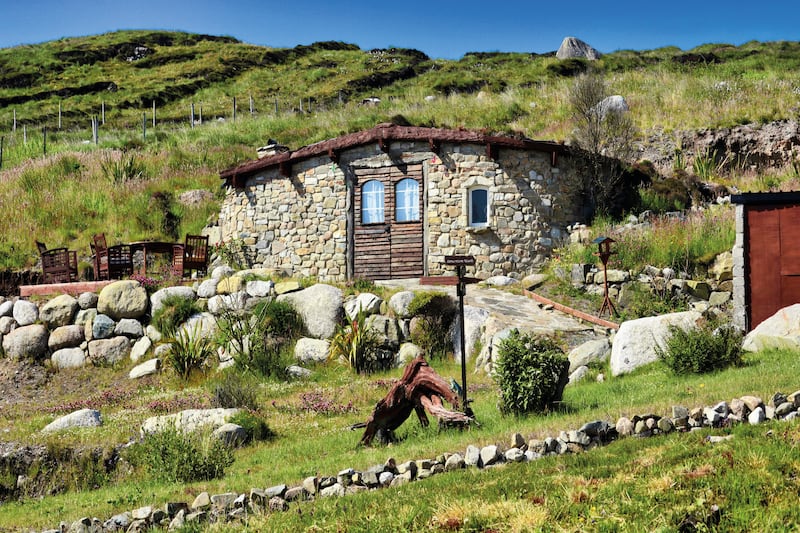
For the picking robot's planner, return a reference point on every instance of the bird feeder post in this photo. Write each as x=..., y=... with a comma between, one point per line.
x=604, y=253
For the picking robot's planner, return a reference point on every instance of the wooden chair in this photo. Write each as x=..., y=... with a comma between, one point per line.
x=191, y=255
x=111, y=262
x=59, y=265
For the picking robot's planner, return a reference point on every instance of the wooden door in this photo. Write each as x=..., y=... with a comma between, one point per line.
x=773, y=260
x=388, y=237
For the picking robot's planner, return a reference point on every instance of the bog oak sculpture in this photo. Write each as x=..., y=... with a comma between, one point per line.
x=420, y=389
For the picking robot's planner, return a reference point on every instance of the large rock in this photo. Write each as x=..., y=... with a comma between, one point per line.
x=103, y=327
x=189, y=420
x=158, y=297
x=366, y=302
x=781, y=330
x=474, y=319
x=400, y=302
x=26, y=342
x=320, y=307
x=722, y=269
x=203, y=324
x=123, y=299
x=597, y=350
x=7, y=308
x=82, y=418
x=311, y=350
x=68, y=358
x=574, y=47
x=59, y=311
x=635, y=342
x=66, y=337
x=611, y=104
x=145, y=369
x=130, y=328
x=387, y=329
x=109, y=351
x=25, y=312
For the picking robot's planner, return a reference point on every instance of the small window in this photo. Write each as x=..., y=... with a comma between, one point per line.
x=372, y=202
x=407, y=200
x=479, y=207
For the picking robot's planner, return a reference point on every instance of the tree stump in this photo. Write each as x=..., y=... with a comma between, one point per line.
x=420, y=389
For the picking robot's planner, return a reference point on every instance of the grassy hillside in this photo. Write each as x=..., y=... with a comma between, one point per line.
x=63, y=187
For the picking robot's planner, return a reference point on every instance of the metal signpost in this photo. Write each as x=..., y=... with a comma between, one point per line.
x=461, y=262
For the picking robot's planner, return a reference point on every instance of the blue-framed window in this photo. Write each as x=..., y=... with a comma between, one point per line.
x=479, y=207
x=406, y=194
x=372, y=195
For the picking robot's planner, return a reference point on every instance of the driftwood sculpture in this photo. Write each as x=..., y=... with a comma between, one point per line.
x=420, y=389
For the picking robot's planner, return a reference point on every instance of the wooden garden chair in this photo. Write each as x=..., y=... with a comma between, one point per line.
x=59, y=265
x=111, y=262
x=191, y=255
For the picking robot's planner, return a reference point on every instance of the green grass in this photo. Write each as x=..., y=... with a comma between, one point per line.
x=341, y=398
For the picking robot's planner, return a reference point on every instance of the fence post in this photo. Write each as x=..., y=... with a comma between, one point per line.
x=234, y=109
x=103, y=112
x=201, y=114
x=154, y=114
x=144, y=126
x=14, y=127
x=25, y=134
x=1, y=150
x=95, y=127
x=59, y=114
x=44, y=140
x=252, y=106
x=191, y=115
x=276, y=106
x=301, y=104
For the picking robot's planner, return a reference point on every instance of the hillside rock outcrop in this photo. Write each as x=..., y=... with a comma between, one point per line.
x=572, y=47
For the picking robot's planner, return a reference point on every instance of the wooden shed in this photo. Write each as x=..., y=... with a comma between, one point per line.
x=766, y=255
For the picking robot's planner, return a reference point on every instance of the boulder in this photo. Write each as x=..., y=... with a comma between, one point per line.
x=81, y=418
x=59, y=311
x=66, y=337
x=231, y=434
x=572, y=47
x=222, y=271
x=320, y=307
x=129, y=328
x=399, y=303
x=189, y=420
x=103, y=327
x=387, y=330
x=366, y=302
x=635, y=343
x=7, y=323
x=68, y=358
x=123, y=299
x=236, y=301
x=597, y=350
x=311, y=350
x=781, y=330
x=109, y=351
x=500, y=281
x=26, y=342
x=87, y=300
x=140, y=348
x=611, y=104
x=285, y=287
x=157, y=298
x=147, y=368
x=25, y=312
x=203, y=324
x=698, y=289
x=474, y=320
x=207, y=288
x=7, y=308
x=533, y=281
x=406, y=353
x=722, y=269
x=230, y=285
x=258, y=288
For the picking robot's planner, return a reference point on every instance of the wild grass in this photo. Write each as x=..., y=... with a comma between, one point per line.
x=644, y=467
x=684, y=245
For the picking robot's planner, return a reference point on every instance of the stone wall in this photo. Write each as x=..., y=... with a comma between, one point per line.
x=299, y=224
x=739, y=310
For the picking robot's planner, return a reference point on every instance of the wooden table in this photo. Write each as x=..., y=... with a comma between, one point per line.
x=155, y=247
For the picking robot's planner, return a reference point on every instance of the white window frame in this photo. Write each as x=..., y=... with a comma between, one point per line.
x=372, y=202
x=406, y=199
x=470, y=194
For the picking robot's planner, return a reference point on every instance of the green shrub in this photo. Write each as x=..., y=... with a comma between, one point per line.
x=232, y=389
x=173, y=456
x=189, y=351
x=531, y=372
x=435, y=313
x=254, y=425
x=261, y=343
x=705, y=349
x=356, y=343
x=174, y=311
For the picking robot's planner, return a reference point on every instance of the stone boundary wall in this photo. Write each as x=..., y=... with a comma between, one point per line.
x=739, y=310
x=301, y=225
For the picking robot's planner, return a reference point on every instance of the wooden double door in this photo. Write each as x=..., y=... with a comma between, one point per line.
x=388, y=229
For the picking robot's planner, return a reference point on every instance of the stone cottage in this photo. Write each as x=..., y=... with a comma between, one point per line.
x=392, y=201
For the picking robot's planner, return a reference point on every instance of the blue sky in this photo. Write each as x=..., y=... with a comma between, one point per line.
x=441, y=29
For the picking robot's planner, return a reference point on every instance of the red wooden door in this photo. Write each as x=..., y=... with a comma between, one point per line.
x=773, y=260
x=388, y=238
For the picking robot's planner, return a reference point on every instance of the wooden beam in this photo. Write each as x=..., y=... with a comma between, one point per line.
x=553, y=158
x=333, y=155
x=491, y=151
x=434, y=144
x=285, y=168
x=383, y=144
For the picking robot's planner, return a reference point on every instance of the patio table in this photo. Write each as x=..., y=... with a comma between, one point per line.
x=155, y=247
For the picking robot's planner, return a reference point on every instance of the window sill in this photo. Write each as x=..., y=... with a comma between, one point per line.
x=478, y=229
